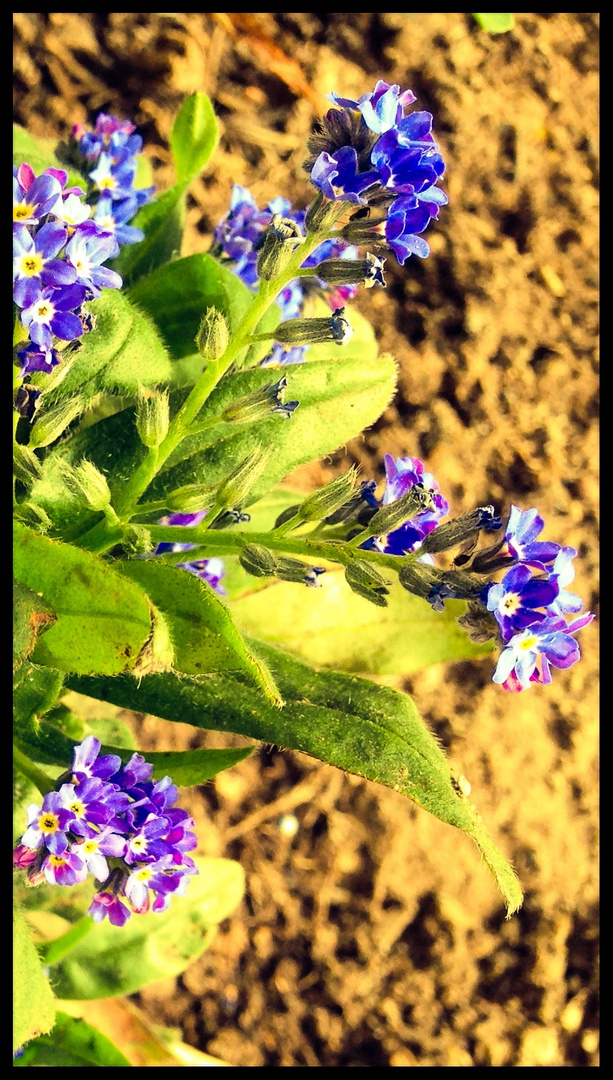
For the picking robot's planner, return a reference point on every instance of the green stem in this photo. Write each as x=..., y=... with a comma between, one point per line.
x=226, y=543
x=32, y=772
x=211, y=375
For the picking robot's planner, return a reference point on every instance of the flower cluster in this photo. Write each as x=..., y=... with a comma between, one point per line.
x=62, y=237
x=530, y=608
x=526, y=609
x=113, y=148
x=236, y=241
x=114, y=821
x=368, y=153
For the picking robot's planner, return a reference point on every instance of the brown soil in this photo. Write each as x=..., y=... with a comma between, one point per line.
x=374, y=937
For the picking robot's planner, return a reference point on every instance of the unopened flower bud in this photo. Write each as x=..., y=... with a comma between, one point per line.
x=258, y=560
x=367, y=582
x=268, y=401
x=313, y=331
x=26, y=465
x=287, y=515
x=53, y=423
x=367, y=271
x=295, y=570
x=191, y=499
x=87, y=484
x=152, y=417
x=403, y=509
x=364, y=231
x=137, y=540
x=360, y=507
x=277, y=246
x=234, y=489
x=460, y=529
x=328, y=499
x=323, y=213
x=33, y=515
x=213, y=334
x=479, y=624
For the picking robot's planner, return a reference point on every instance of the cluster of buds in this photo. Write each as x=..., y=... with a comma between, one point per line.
x=115, y=822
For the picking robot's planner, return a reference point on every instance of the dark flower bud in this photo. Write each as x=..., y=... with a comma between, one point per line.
x=456, y=531
x=313, y=331
x=268, y=401
x=403, y=509
x=367, y=582
x=367, y=271
x=479, y=624
x=276, y=247
x=295, y=570
x=258, y=560
x=329, y=498
x=286, y=515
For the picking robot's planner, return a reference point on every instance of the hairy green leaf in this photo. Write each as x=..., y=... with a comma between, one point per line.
x=72, y=1042
x=33, y=1007
x=363, y=728
x=31, y=616
x=203, y=634
x=103, y=620
x=113, y=960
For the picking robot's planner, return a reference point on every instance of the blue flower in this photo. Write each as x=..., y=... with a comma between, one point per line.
x=522, y=529
x=529, y=655
x=85, y=251
x=35, y=264
x=516, y=601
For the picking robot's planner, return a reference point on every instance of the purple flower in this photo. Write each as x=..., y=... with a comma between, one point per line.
x=48, y=825
x=85, y=251
x=33, y=196
x=111, y=217
x=562, y=572
x=382, y=109
x=86, y=762
x=50, y=313
x=516, y=600
x=93, y=849
x=282, y=357
x=105, y=904
x=64, y=869
x=529, y=655
x=35, y=264
x=35, y=358
x=522, y=529
x=209, y=570
x=338, y=176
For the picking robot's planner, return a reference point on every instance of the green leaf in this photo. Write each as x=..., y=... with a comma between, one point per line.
x=194, y=136
x=113, y=960
x=33, y=1007
x=36, y=692
x=103, y=620
x=366, y=729
x=42, y=154
x=162, y=222
x=186, y=768
x=122, y=352
x=177, y=295
x=31, y=616
x=495, y=24
x=72, y=1042
x=338, y=399
x=203, y=634
x=333, y=627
